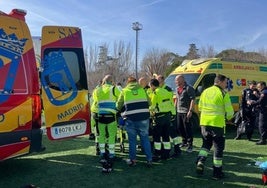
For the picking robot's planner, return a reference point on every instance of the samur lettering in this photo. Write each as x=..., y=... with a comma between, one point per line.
x=68, y=32
x=70, y=111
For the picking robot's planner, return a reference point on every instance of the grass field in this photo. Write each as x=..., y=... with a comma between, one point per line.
x=72, y=163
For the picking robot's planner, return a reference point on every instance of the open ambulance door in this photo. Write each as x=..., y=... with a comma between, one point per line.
x=64, y=83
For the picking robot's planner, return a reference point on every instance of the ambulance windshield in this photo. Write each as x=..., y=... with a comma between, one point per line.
x=189, y=78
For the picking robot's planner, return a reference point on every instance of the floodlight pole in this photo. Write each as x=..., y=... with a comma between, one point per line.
x=137, y=27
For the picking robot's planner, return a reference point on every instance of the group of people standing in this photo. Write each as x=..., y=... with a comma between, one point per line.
x=253, y=112
x=148, y=110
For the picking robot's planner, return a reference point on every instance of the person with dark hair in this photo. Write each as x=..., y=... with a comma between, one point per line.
x=214, y=106
x=133, y=104
x=173, y=126
x=185, y=100
x=162, y=84
x=248, y=112
x=262, y=105
x=162, y=110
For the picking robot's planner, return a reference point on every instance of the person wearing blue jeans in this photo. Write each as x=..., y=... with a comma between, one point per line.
x=133, y=106
x=139, y=128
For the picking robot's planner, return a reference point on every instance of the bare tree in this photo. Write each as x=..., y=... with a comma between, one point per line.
x=156, y=62
x=101, y=63
x=207, y=52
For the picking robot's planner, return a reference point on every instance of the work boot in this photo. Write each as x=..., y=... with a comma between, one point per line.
x=156, y=156
x=107, y=166
x=217, y=173
x=189, y=149
x=200, y=168
x=261, y=142
x=165, y=154
x=177, y=151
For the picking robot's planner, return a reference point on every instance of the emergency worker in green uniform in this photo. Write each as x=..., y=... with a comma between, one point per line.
x=162, y=110
x=173, y=127
x=215, y=108
x=106, y=97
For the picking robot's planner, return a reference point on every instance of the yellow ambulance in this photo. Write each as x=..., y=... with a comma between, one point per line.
x=200, y=74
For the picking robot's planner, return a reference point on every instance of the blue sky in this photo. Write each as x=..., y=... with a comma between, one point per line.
x=167, y=24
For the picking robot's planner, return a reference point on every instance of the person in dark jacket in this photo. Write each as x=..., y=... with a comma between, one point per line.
x=248, y=111
x=262, y=105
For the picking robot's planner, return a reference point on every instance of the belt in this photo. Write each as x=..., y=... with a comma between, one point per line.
x=106, y=115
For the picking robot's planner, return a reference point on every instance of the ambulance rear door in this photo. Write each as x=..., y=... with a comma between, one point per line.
x=64, y=83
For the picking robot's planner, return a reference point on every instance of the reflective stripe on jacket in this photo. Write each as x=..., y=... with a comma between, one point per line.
x=134, y=100
x=106, y=99
x=215, y=107
x=162, y=101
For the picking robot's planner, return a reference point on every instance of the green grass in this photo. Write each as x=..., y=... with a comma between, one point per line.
x=72, y=163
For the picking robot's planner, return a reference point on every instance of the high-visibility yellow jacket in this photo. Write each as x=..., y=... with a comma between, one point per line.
x=215, y=107
x=162, y=101
x=106, y=97
x=133, y=103
x=94, y=105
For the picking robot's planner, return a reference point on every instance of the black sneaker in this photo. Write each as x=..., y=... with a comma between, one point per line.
x=200, y=168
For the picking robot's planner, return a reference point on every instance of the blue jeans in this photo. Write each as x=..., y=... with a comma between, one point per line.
x=140, y=128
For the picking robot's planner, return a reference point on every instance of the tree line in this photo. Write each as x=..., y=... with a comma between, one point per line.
x=120, y=62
